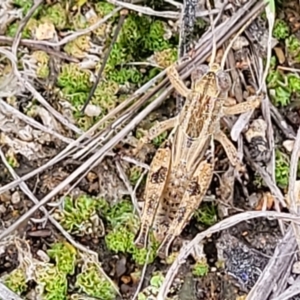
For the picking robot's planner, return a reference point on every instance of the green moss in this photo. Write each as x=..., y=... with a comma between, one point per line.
x=119, y=240
x=73, y=79
x=160, y=139
x=293, y=46
x=42, y=62
x=279, y=88
x=64, y=255
x=53, y=281
x=103, y=8
x=206, y=214
x=16, y=281
x=77, y=213
x=124, y=226
x=134, y=174
x=25, y=5
x=12, y=30
x=281, y=30
x=282, y=169
x=91, y=282
x=126, y=74
x=57, y=15
x=78, y=47
x=200, y=269
x=156, y=282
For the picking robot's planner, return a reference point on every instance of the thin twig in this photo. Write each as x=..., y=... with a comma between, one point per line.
x=282, y=257
x=22, y=25
x=123, y=14
x=6, y=40
x=6, y=293
x=294, y=202
x=146, y=10
x=6, y=108
x=126, y=182
x=142, y=275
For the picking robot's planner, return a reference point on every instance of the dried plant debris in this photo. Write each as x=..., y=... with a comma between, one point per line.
x=23, y=139
x=257, y=140
x=61, y=64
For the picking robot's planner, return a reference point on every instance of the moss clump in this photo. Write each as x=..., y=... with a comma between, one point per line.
x=293, y=46
x=282, y=169
x=140, y=37
x=42, y=63
x=283, y=86
x=79, y=215
x=53, y=284
x=153, y=289
x=103, y=8
x=92, y=282
x=73, y=80
x=200, y=269
x=124, y=225
x=26, y=33
x=206, y=214
x=134, y=174
x=78, y=47
x=16, y=281
x=25, y=5
x=281, y=30
x=57, y=15
x=76, y=85
x=64, y=255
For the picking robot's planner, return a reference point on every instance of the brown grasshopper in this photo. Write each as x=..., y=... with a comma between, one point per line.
x=180, y=172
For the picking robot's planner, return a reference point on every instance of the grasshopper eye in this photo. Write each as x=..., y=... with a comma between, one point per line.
x=223, y=81
x=199, y=72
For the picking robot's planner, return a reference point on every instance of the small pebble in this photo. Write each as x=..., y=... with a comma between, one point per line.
x=2, y=209
x=92, y=110
x=296, y=267
x=15, y=198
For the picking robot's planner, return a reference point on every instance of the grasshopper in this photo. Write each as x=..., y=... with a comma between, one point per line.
x=181, y=172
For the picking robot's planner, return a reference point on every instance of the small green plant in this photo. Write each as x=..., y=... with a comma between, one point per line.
x=53, y=283
x=282, y=86
x=16, y=281
x=206, y=214
x=103, y=8
x=73, y=80
x=25, y=5
x=64, y=255
x=91, y=282
x=124, y=226
x=12, y=160
x=134, y=174
x=57, y=15
x=152, y=290
x=78, y=214
x=281, y=30
x=292, y=43
x=200, y=269
x=282, y=169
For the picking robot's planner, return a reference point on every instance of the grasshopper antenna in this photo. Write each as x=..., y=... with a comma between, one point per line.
x=214, y=48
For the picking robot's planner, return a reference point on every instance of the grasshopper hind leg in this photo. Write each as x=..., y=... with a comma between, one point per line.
x=192, y=198
x=155, y=185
